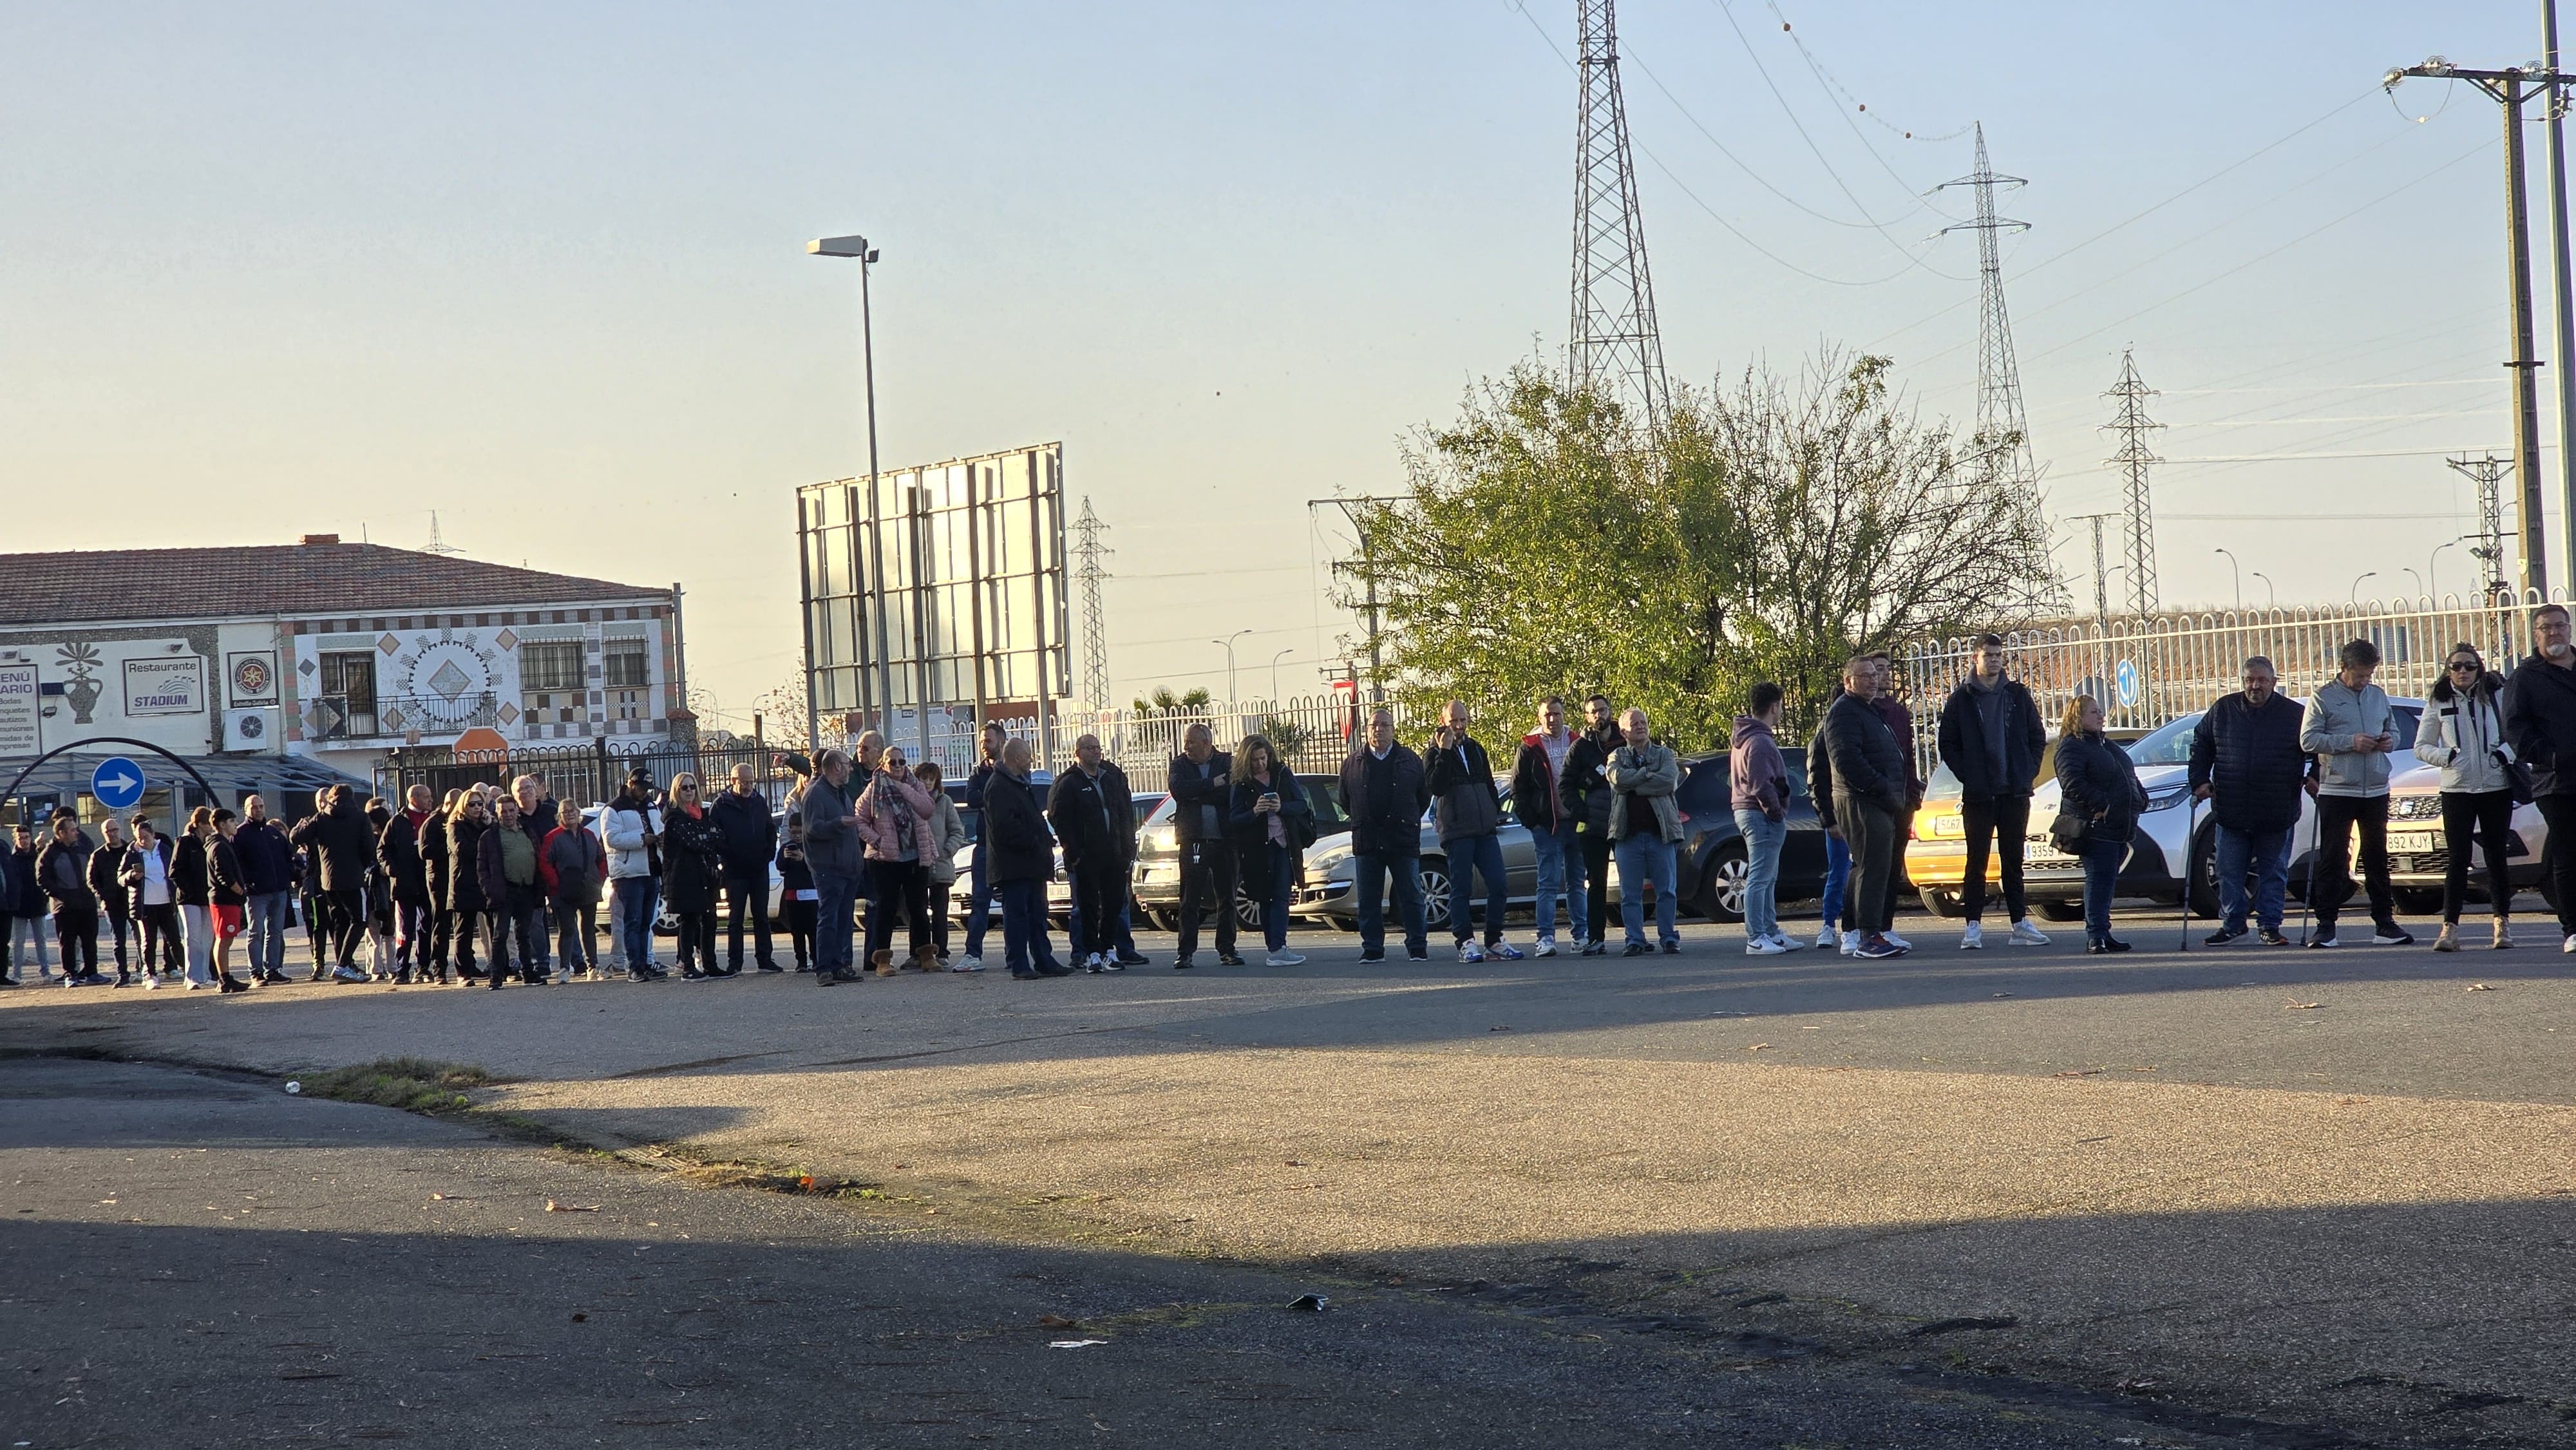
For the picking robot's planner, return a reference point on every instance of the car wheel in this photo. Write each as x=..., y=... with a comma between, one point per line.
x=2059, y=910
x=2204, y=874
x=1435, y=895
x=1943, y=903
x=1721, y=896
x=1247, y=912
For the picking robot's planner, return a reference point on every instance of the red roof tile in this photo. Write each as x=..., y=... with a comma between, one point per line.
x=280, y=579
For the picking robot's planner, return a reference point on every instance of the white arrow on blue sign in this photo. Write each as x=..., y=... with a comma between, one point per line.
x=2125, y=679
x=118, y=783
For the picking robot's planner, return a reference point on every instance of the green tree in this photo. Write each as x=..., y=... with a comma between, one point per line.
x=1164, y=702
x=1769, y=531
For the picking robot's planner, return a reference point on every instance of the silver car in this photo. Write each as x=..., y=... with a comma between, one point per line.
x=2419, y=855
x=1329, y=894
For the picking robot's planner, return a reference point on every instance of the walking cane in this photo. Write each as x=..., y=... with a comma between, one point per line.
x=2190, y=866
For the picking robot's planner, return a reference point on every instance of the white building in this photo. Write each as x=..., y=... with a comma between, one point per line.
x=284, y=667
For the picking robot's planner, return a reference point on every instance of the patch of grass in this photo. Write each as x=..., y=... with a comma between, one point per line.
x=413, y=1084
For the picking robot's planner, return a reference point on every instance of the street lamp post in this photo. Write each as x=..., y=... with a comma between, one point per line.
x=2354, y=598
x=858, y=249
x=2409, y=571
x=2234, y=575
x=2432, y=582
x=2271, y=596
x=1274, y=673
x=1228, y=643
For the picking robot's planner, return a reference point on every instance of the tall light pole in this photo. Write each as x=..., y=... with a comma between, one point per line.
x=2232, y=574
x=2432, y=582
x=1274, y=673
x=2565, y=310
x=1228, y=643
x=2409, y=571
x=2271, y=596
x=858, y=249
x=2354, y=598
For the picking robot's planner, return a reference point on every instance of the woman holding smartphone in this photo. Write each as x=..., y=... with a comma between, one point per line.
x=1272, y=824
x=2463, y=733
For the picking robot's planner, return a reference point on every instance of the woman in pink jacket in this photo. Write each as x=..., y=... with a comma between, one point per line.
x=895, y=822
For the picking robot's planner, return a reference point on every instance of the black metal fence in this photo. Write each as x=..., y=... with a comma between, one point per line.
x=589, y=773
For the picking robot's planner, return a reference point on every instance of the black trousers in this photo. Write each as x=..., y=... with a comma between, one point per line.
x=460, y=940
x=523, y=923
x=2559, y=860
x=695, y=944
x=344, y=914
x=937, y=896
x=411, y=944
x=2007, y=820
x=160, y=936
x=800, y=930
x=753, y=893
x=1209, y=875
x=897, y=886
x=1596, y=879
x=2337, y=815
x=1904, y=832
x=1098, y=885
x=317, y=926
x=120, y=921
x=2483, y=818
x=76, y=932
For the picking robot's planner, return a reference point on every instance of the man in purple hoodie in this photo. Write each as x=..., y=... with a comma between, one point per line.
x=1761, y=788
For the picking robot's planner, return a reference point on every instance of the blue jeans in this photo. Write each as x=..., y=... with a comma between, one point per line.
x=834, y=894
x=1646, y=857
x=634, y=896
x=1763, y=838
x=1024, y=926
x=1559, y=854
x=1279, y=880
x=2102, y=861
x=1373, y=874
x=266, y=916
x=979, y=905
x=1837, y=879
x=2266, y=854
x=1483, y=856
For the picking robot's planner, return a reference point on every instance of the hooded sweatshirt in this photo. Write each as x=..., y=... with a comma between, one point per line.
x=1756, y=771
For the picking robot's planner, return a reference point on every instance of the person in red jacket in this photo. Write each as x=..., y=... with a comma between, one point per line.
x=572, y=866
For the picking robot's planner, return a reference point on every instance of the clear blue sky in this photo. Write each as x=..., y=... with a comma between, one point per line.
x=313, y=267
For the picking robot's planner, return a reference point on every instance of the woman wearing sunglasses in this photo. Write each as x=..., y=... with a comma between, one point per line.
x=2463, y=733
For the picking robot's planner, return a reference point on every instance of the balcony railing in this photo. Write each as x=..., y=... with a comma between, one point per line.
x=396, y=717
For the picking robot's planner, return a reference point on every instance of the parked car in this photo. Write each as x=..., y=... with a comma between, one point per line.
x=1157, y=886
x=2419, y=855
x=2175, y=841
x=1329, y=892
x=1714, y=865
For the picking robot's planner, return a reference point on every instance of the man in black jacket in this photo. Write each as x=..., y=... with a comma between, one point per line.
x=2246, y=761
x=336, y=839
x=1991, y=738
x=747, y=841
x=1022, y=861
x=1469, y=813
x=1384, y=791
x=1588, y=799
x=1202, y=787
x=268, y=865
x=1094, y=816
x=2540, y=721
x=1869, y=793
x=106, y=882
x=979, y=900
x=406, y=873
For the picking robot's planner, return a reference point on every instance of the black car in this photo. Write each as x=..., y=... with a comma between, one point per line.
x=1712, y=868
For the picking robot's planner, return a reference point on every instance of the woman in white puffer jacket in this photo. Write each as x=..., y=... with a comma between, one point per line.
x=2463, y=732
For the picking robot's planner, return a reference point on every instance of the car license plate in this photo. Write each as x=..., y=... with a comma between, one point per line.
x=2038, y=851
x=2414, y=841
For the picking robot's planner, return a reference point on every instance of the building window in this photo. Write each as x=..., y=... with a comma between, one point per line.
x=348, y=694
x=622, y=664
x=550, y=665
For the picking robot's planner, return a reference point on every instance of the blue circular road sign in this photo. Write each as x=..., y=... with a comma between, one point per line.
x=118, y=783
x=2125, y=680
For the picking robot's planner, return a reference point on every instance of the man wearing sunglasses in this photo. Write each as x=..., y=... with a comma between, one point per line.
x=2540, y=721
x=2246, y=761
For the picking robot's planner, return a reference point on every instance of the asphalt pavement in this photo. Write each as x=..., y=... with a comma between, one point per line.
x=2324, y=1192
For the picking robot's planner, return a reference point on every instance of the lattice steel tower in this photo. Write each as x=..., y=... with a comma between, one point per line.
x=1088, y=551
x=2133, y=425
x=2000, y=457
x=1613, y=340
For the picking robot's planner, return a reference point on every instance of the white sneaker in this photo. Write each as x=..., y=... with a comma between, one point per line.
x=1898, y=942
x=1971, y=938
x=967, y=964
x=1546, y=947
x=1825, y=935
x=1285, y=958
x=1851, y=943
x=1763, y=946
x=2026, y=935
x=1468, y=951
x=1503, y=951
x=1788, y=943
x=2568, y=946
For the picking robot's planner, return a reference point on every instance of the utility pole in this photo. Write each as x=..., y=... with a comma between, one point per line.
x=1612, y=341
x=2564, y=311
x=2507, y=87
x=1088, y=551
x=2134, y=456
x=2488, y=474
x=2002, y=441
x=1366, y=571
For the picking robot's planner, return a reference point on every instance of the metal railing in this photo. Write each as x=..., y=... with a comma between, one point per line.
x=2149, y=671
x=339, y=717
x=589, y=772
x=1312, y=733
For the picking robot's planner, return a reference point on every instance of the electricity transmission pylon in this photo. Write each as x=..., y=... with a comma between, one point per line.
x=1088, y=551
x=2133, y=425
x=2001, y=459
x=1613, y=341
x=2488, y=474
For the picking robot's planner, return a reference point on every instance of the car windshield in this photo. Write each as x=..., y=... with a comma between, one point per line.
x=2167, y=744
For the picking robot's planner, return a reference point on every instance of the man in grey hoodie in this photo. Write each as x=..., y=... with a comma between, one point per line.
x=2350, y=728
x=1759, y=781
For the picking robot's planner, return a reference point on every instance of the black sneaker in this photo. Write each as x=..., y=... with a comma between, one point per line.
x=2223, y=936
x=2107, y=945
x=1365, y=958
x=1183, y=964
x=1672, y=946
x=2272, y=937
x=2392, y=935
x=1636, y=949
x=1130, y=957
x=1417, y=956
x=1596, y=948
x=769, y=966
x=2321, y=941
x=1228, y=959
